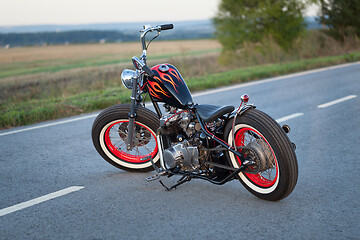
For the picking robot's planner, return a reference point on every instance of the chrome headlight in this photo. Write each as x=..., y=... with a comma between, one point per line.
x=127, y=78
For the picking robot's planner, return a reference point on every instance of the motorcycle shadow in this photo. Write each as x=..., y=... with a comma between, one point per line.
x=196, y=189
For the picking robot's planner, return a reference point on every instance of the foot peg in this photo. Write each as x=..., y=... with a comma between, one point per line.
x=152, y=178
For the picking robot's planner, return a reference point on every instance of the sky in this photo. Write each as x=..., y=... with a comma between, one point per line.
x=33, y=12
x=62, y=12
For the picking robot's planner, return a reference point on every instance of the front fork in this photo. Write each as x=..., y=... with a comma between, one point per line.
x=132, y=115
x=135, y=101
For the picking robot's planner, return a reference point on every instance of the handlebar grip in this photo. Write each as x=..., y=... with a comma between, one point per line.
x=148, y=71
x=166, y=26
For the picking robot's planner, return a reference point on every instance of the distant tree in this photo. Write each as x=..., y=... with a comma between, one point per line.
x=240, y=21
x=40, y=38
x=342, y=17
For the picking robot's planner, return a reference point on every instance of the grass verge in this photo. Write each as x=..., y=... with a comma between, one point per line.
x=32, y=111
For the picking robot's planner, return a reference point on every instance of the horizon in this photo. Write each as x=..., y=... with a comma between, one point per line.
x=85, y=12
x=104, y=23
x=204, y=24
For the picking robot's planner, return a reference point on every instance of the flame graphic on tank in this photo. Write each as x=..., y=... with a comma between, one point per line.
x=170, y=76
x=156, y=89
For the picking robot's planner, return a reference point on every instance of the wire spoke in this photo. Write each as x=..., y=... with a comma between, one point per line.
x=137, y=151
x=116, y=142
x=251, y=138
x=144, y=141
x=148, y=149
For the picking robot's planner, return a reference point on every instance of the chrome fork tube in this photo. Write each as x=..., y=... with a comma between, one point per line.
x=132, y=116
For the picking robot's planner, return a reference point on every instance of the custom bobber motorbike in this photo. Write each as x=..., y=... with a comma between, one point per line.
x=194, y=141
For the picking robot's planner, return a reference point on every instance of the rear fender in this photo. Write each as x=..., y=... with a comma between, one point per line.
x=242, y=111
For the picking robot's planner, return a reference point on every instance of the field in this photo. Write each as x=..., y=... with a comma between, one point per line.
x=44, y=83
x=40, y=83
x=29, y=64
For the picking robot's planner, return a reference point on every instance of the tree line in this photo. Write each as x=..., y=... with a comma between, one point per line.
x=241, y=22
x=90, y=36
x=70, y=37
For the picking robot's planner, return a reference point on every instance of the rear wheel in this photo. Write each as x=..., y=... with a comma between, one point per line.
x=109, y=133
x=275, y=173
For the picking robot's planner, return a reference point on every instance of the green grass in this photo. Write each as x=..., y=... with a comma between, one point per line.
x=17, y=114
x=265, y=71
x=32, y=111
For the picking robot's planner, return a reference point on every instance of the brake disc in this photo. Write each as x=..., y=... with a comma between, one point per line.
x=142, y=136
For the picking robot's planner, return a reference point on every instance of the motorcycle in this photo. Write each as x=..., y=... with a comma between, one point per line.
x=195, y=141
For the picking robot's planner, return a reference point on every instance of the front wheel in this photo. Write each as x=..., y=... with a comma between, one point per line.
x=109, y=133
x=275, y=172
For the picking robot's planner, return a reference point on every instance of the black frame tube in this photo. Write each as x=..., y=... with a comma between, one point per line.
x=229, y=148
x=156, y=106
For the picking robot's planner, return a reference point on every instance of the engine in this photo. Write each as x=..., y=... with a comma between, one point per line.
x=184, y=147
x=183, y=156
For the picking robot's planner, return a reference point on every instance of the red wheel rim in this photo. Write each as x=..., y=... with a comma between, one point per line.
x=263, y=179
x=117, y=145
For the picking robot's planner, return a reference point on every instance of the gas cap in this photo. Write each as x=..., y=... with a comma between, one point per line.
x=163, y=68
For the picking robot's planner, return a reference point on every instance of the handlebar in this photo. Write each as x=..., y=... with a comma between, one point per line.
x=146, y=29
x=158, y=28
x=166, y=26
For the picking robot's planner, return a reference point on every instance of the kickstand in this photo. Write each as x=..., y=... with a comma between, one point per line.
x=183, y=179
x=156, y=168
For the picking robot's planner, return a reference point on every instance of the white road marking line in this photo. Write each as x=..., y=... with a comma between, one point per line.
x=38, y=200
x=283, y=119
x=325, y=105
x=48, y=125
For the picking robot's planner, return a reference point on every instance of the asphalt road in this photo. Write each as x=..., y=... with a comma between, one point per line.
x=99, y=201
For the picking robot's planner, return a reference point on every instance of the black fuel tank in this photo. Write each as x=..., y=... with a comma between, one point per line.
x=168, y=86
